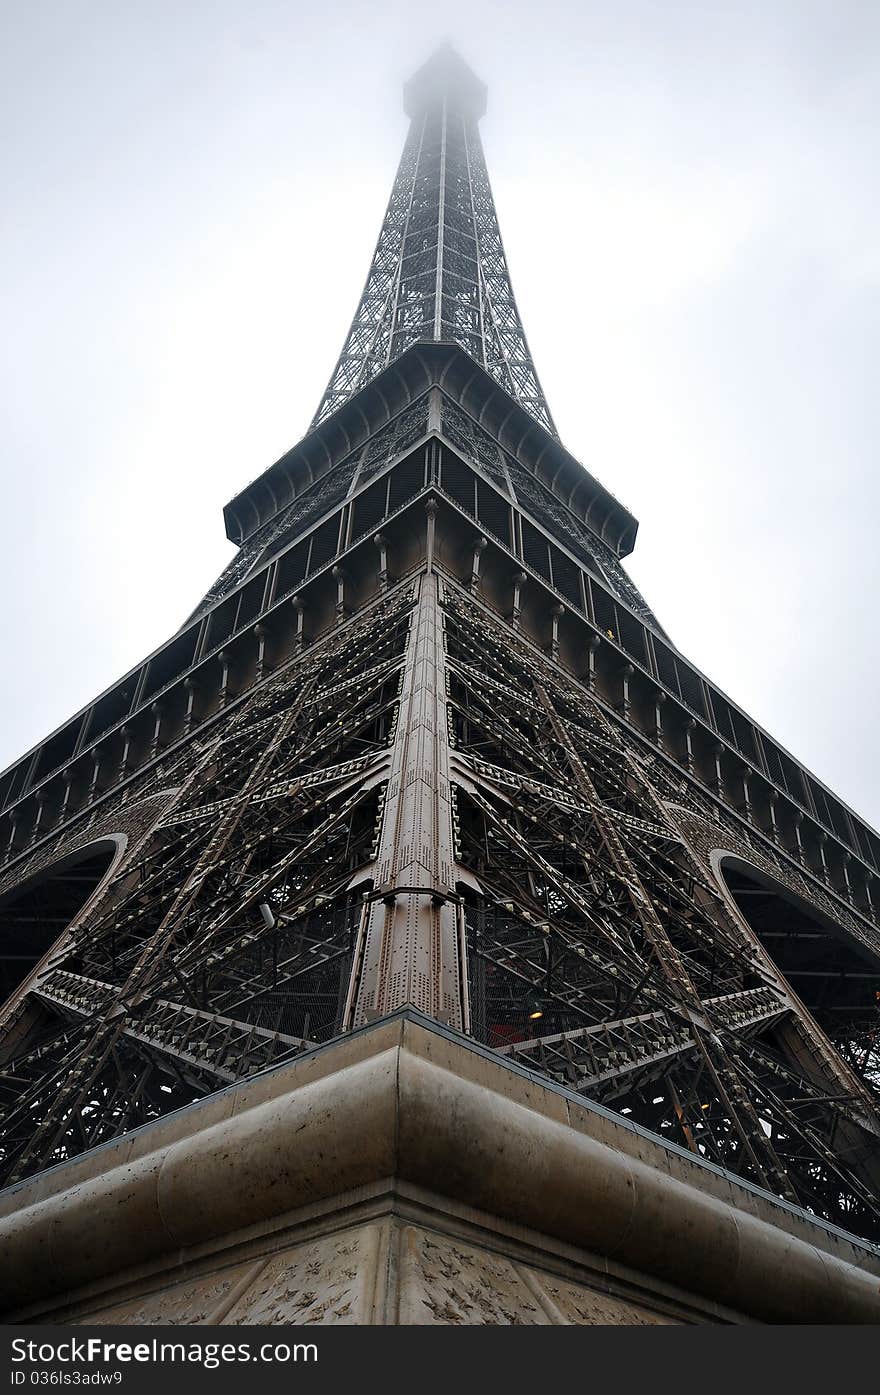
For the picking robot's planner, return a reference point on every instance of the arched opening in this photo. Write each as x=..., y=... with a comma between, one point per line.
x=34, y=914
x=835, y=977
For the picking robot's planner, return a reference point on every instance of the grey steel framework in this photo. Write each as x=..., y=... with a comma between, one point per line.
x=424, y=742
x=439, y=269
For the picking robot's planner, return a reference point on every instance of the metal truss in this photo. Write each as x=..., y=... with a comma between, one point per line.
x=331, y=852
x=439, y=269
x=222, y=942
x=602, y=954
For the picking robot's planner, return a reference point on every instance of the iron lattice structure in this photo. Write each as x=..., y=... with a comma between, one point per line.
x=439, y=269
x=424, y=743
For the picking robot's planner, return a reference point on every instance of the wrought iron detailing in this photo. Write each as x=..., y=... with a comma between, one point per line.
x=439, y=270
x=222, y=941
x=603, y=953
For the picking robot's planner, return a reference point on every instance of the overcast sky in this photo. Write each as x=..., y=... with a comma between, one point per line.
x=689, y=199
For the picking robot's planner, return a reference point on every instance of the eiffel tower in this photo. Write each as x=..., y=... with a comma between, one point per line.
x=424, y=753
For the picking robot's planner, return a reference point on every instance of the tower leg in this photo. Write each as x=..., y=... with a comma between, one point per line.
x=410, y=951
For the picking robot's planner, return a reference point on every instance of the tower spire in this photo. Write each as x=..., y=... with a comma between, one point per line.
x=439, y=271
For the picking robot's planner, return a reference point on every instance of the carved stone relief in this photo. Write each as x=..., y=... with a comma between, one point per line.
x=332, y=1279
x=445, y=1281
x=585, y=1307
x=187, y=1303
x=341, y=1278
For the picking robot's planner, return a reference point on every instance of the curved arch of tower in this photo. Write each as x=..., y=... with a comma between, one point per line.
x=423, y=777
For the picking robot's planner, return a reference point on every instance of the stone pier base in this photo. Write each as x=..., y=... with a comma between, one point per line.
x=402, y=1175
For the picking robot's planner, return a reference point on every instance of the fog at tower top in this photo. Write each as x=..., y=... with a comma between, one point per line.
x=439, y=271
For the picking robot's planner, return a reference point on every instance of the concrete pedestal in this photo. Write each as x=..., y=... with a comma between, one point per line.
x=401, y=1175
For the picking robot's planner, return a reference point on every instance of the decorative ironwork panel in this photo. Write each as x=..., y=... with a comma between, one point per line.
x=222, y=939
x=603, y=952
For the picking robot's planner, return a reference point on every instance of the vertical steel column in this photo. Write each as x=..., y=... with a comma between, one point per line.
x=411, y=948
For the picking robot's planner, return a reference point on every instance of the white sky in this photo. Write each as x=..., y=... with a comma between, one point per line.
x=689, y=199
